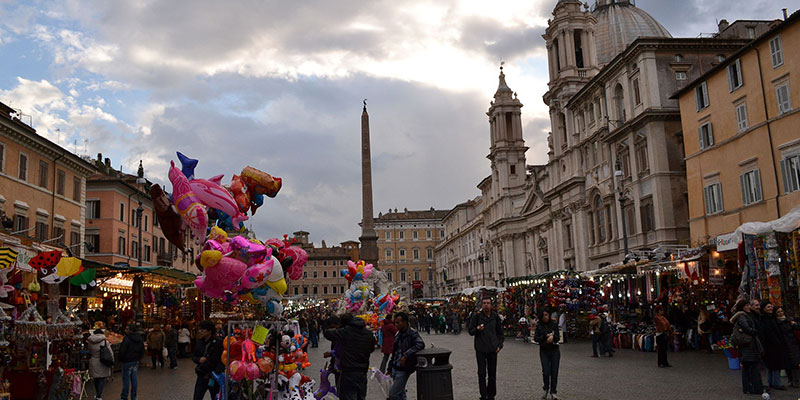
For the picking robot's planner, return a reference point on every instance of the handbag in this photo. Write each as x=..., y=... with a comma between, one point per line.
x=741, y=339
x=106, y=356
x=164, y=352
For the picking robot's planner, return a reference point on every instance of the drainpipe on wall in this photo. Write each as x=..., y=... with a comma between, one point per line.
x=769, y=133
x=53, y=195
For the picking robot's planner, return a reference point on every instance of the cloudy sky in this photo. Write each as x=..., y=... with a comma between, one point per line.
x=278, y=85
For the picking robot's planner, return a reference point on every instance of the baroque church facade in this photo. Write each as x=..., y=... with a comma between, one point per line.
x=615, y=171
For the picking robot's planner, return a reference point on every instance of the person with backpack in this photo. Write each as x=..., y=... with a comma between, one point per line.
x=99, y=363
x=130, y=352
x=404, y=356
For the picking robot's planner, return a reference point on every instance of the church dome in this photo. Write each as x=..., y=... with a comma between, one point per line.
x=619, y=23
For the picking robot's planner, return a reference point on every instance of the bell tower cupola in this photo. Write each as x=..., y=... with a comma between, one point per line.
x=507, y=151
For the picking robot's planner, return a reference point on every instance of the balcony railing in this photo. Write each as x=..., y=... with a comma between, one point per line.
x=164, y=259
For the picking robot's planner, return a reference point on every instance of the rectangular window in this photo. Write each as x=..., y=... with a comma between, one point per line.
x=417, y=275
x=735, y=75
x=388, y=235
x=296, y=290
x=305, y=289
x=637, y=98
x=315, y=274
x=701, y=96
x=680, y=76
x=568, y=235
x=630, y=218
x=512, y=169
x=401, y=235
x=428, y=234
x=741, y=117
x=134, y=249
x=121, y=245
x=706, y=135
x=76, y=189
x=642, y=164
x=316, y=290
x=390, y=276
x=416, y=254
x=713, y=198
x=751, y=186
x=145, y=223
x=122, y=212
x=430, y=254
x=146, y=253
x=58, y=235
x=784, y=102
x=441, y=233
x=75, y=237
x=21, y=224
x=776, y=51
x=402, y=276
x=648, y=215
x=414, y=235
x=93, y=241
x=41, y=231
x=790, y=170
x=44, y=173
x=2, y=157
x=61, y=182
x=92, y=209
x=324, y=290
x=402, y=253
x=751, y=32
x=388, y=254
x=23, y=167
x=324, y=274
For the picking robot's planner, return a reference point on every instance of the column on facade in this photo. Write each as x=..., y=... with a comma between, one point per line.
x=570, y=48
x=586, y=49
x=562, y=49
x=551, y=64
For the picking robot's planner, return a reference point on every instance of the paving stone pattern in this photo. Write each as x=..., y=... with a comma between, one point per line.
x=628, y=375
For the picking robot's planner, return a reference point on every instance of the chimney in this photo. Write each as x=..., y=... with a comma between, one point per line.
x=785, y=14
x=723, y=24
x=108, y=162
x=99, y=157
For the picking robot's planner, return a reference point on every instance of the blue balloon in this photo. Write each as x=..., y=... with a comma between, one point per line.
x=187, y=165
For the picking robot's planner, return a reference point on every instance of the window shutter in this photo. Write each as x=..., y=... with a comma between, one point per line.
x=743, y=183
x=718, y=197
x=707, y=198
x=785, y=176
x=700, y=137
x=710, y=135
x=731, y=78
x=757, y=184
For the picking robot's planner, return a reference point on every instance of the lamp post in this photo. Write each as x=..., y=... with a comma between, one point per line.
x=481, y=259
x=139, y=210
x=622, y=200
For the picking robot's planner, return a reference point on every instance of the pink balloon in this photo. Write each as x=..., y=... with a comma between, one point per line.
x=238, y=370
x=300, y=258
x=213, y=245
x=257, y=274
x=213, y=195
x=221, y=277
x=189, y=206
x=247, y=251
x=251, y=371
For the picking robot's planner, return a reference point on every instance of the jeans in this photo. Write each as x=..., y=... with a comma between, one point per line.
x=598, y=345
x=173, y=356
x=314, y=337
x=99, y=383
x=201, y=386
x=384, y=361
x=157, y=355
x=398, y=390
x=130, y=372
x=661, y=343
x=550, y=361
x=774, y=378
x=751, y=377
x=487, y=361
x=182, y=349
x=352, y=385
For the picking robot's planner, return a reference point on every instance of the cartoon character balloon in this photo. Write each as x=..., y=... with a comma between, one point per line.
x=168, y=218
x=189, y=206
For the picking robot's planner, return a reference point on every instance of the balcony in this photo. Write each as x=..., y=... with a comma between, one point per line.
x=581, y=73
x=164, y=259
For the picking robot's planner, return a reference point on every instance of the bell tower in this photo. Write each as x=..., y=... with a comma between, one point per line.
x=507, y=151
x=571, y=50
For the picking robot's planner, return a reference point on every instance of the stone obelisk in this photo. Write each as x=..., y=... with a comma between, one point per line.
x=368, y=239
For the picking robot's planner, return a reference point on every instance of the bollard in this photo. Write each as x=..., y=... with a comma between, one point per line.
x=434, y=374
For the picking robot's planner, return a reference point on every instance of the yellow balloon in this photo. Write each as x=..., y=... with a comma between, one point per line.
x=218, y=234
x=210, y=258
x=278, y=286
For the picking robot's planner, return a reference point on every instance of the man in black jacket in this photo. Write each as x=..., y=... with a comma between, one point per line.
x=407, y=343
x=487, y=328
x=207, y=355
x=357, y=343
x=130, y=352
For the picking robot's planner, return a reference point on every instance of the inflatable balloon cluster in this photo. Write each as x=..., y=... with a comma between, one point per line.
x=249, y=363
x=246, y=269
x=360, y=291
x=194, y=201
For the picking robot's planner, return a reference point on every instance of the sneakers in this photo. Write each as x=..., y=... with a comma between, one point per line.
x=546, y=395
x=553, y=396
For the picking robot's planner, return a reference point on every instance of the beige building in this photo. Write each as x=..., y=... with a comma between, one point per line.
x=322, y=278
x=42, y=189
x=406, y=249
x=742, y=145
x=615, y=175
x=460, y=257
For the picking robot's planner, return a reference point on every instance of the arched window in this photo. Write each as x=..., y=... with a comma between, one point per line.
x=619, y=103
x=388, y=254
x=600, y=219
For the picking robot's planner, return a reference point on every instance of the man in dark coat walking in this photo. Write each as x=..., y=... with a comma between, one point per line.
x=357, y=344
x=404, y=350
x=487, y=328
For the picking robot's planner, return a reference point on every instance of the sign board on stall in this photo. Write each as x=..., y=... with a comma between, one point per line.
x=416, y=284
x=715, y=276
x=727, y=242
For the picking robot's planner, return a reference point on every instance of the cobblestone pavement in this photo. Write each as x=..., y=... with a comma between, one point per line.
x=628, y=375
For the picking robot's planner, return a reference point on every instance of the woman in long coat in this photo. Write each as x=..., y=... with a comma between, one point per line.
x=97, y=370
x=788, y=327
x=750, y=355
x=775, y=349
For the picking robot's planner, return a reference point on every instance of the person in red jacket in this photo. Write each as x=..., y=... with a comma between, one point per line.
x=389, y=330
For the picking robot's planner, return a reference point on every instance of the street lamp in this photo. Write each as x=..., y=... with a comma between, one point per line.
x=139, y=210
x=622, y=199
x=481, y=259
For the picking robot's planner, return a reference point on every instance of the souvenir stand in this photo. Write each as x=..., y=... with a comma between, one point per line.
x=771, y=262
x=559, y=291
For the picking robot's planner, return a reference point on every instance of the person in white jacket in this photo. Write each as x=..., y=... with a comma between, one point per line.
x=184, y=338
x=97, y=370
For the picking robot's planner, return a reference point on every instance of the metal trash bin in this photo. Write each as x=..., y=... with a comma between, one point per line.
x=434, y=376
